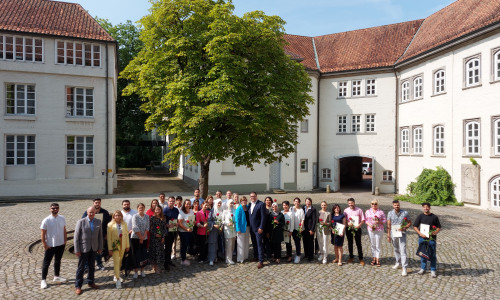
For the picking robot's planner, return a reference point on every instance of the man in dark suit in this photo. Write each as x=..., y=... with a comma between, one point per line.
x=258, y=219
x=310, y=220
x=88, y=241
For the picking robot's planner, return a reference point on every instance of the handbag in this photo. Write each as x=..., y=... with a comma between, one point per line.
x=424, y=250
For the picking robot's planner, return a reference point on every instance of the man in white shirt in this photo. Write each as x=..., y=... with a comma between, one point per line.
x=162, y=200
x=128, y=213
x=54, y=241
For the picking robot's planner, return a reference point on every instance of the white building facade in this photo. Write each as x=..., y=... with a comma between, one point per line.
x=58, y=92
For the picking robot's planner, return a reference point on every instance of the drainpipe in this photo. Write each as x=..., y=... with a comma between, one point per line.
x=396, y=129
x=107, y=118
x=317, y=134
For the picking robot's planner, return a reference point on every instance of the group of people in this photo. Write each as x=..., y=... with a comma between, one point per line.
x=219, y=229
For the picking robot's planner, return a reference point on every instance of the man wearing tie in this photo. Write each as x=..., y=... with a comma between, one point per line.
x=310, y=220
x=258, y=219
x=88, y=241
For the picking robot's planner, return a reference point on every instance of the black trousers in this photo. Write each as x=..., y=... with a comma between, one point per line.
x=296, y=240
x=169, y=240
x=202, y=245
x=83, y=259
x=276, y=248
x=47, y=259
x=308, y=245
x=357, y=239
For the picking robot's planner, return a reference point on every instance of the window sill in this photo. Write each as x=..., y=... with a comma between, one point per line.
x=357, y=97
x=386, y=182
x=302, y=171
x=405, y=154
x=20, y=117
x=439, y=94
x=326, y=180
x=228, y=173
x=80, y=119
x=438, y=155
x=411, y=100
x=417, y=155
x=356, y=133
x=471, y=156
x=495, y=81
x=472, y=86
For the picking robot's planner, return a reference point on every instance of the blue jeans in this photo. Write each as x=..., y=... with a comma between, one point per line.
x=423, y=261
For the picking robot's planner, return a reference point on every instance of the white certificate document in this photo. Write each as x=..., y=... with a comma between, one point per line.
x=395, y=231
x=424, y=229
x=355, y=220
x=340, y=228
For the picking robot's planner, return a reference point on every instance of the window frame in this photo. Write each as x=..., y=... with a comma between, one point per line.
x=495, y=67
x=355, y=123
x=387, y=176
x=85, y=151
x=304, y=165
x=418, y=143
x=405, y=91
x=326, y=174
x=370, y=87
x=468, y=69
x=304, y=126
x=468, y=139
x=438, y=142
x=24, y=48
x=89, y=54
x=494, y=190
x=341, y=125
x=356, y=88
x=370, y=123
x=418, y=88
x=15, y=150
x=495, y=135
x=74, y=108
x=404, y=146
x=342, y=89
x=16, y=100
x=439, y=83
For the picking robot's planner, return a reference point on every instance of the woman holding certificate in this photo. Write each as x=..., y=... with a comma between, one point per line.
x=338, y=231
x=375, y=219
x=185, y=223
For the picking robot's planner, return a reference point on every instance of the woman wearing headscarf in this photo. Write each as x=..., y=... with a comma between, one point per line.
x=277, y=224
x=229, y=231
x=215, y=227
x=118, y=243
x=242, y=226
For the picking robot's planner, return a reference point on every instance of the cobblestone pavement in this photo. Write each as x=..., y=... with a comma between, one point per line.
x=468, y=262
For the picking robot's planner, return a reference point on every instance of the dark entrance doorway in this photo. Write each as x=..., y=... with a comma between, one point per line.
x=354, y=175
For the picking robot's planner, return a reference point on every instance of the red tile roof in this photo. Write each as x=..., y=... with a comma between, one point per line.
x=301, y=48
x=365, y=48
x=454, y=21
x=51, y=18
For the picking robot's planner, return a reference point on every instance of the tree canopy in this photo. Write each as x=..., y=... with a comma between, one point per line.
x=220, y=85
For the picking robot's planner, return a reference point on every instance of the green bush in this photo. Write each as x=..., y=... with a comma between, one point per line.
x=433, y=186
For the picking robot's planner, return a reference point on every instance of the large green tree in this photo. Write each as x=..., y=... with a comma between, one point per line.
x=220, y=85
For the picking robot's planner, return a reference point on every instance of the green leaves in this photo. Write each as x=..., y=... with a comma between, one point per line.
x=219, y=84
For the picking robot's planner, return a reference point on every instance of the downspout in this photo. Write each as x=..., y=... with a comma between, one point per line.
x=396, y=129
x=317, y=113
x=107, y=118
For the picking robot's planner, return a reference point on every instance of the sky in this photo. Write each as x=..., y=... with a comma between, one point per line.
x=308, y=18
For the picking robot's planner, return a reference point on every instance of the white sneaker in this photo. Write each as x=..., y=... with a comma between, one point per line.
x=114, y=278
x=172, y=257
x=320, y=257
x=211, y=263
x=395, y=266
x=433, y=274
x=43, y=284
x=136, y=275
x=324, y=261
x=297, y=260
x=143, y=274
x=229, y=262
x=421, y=272
x=59, y=279
x=404, y=273
x=118, y=284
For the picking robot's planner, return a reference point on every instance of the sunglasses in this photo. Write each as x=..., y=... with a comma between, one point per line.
x=374, y=203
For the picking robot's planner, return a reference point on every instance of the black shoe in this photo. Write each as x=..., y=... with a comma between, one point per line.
x=171, y=264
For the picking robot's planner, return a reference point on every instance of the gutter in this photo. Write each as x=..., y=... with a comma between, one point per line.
x=317, y=115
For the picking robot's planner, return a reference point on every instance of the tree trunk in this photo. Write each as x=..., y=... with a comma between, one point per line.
x=203, y=181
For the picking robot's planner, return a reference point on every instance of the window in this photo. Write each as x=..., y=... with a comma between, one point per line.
x=495, y=192
x=417, y=140
x=20, y=48
x=496, y=137
x=439, y=86
x=472, y=138
x=343, y=89
x=342, y=124
x=356, y=123
x=79, y=54
x=20, y=99
x=370, y=87
x=472, y=72
x=356, y=88
x=79, y=102
x=387, y=176
x=304, y=126
x=20, y=149
x=80, y=150
x=303, y=165
x=326, y=174
x=439, y=140
x=405, y=91
x=496, y=65
x=417, y=88
x=370, y=123
x=405, y=140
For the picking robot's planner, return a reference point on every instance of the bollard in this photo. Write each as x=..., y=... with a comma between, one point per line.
x=377, y=191
x=328, y=190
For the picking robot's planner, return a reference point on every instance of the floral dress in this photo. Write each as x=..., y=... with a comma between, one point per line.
x=156, y=252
